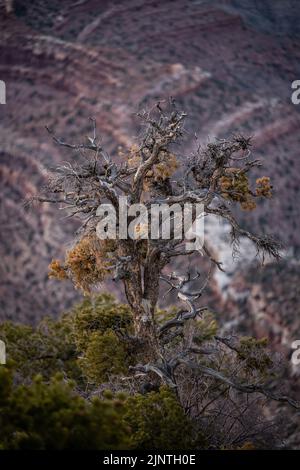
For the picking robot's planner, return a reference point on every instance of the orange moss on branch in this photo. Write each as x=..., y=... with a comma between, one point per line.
x=263, y=187
x=165, y=167
x=235, y=186
x=87, y=263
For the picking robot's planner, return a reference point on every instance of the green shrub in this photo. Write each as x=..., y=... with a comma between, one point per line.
x=157, y=421
x=51, y=416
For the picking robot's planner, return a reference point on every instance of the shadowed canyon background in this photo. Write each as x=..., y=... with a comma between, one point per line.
x=228, y=63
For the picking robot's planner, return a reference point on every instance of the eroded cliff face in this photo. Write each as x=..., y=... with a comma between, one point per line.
x=229, y=66
x=264, y=302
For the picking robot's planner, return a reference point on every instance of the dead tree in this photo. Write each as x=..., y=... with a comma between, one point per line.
x=216, y=176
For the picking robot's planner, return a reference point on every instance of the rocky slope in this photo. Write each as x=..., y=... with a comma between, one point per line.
x=229, y=65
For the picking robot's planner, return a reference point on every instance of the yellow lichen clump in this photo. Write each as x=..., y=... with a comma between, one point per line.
x=165, y=167
x=57, y=271
x=141, y=231
x=134, y=157
x=263, y=187
x=235, y=186
x=86, y=264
